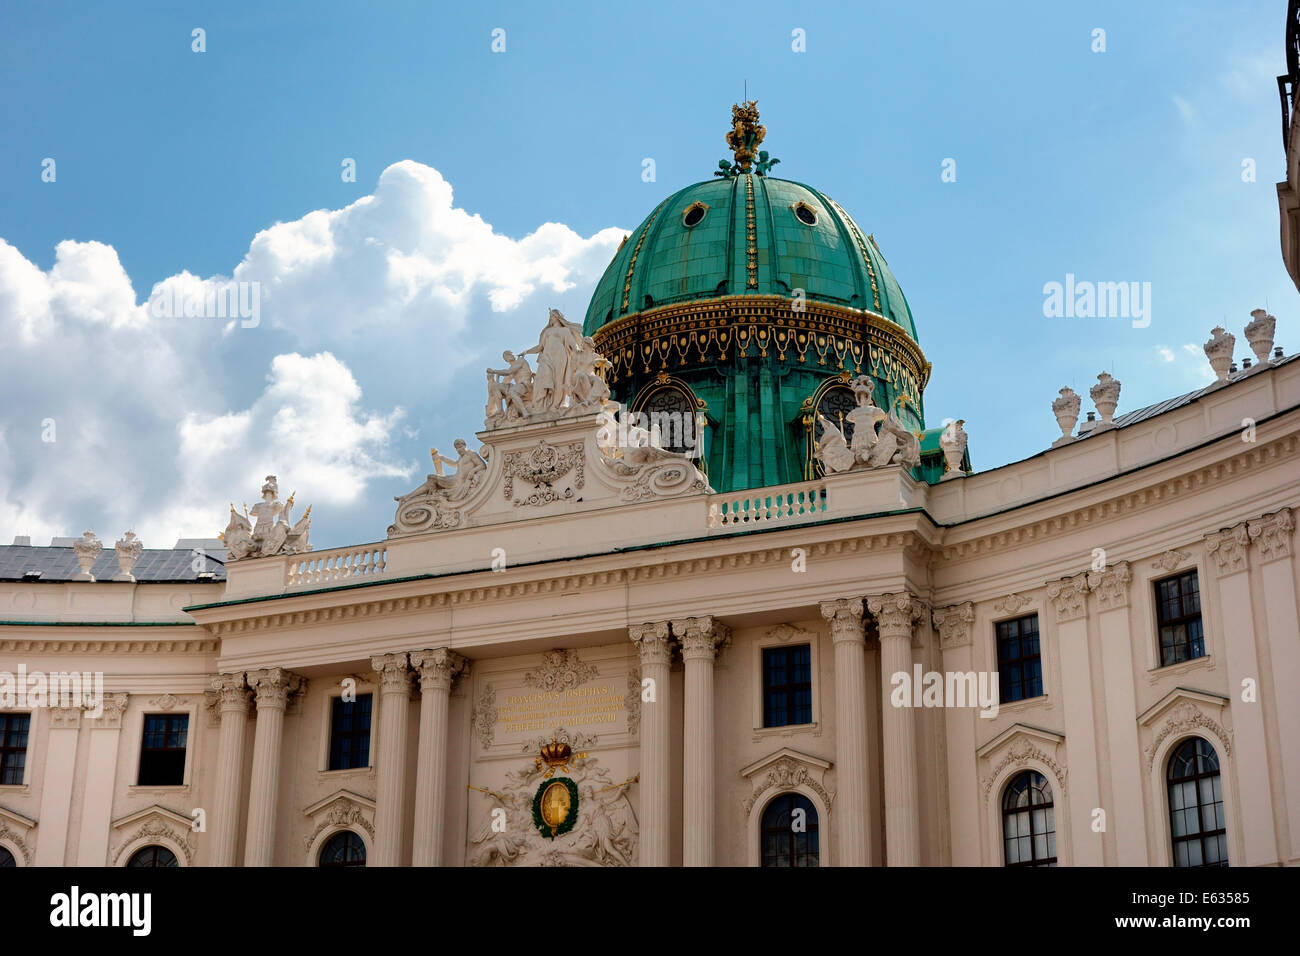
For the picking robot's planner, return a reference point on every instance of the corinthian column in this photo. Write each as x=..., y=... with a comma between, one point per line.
x=232, y=703
x=655, y=648
x=894, y=614
x=272, y=687
x=437, y=669
x=394, y=697
x=845, y=617
x=701, y=638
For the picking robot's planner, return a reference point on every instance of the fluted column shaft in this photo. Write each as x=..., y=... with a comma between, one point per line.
x=390, y=758
x=232, y=701
x=272, y=687
x=845, y=618
x=437, y=670
x=701, y=638
x=655, y=649
x=895, y=614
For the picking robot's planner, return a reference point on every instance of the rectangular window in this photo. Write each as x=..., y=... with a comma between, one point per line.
x=787, y=685
x=162, y=752
x=1020, y=667
x=1178, y=614
x=13, y=746
x=350, y=733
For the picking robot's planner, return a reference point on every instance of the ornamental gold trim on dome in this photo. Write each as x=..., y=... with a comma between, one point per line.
x=631, y=266
x=672, y=337
x=862, y=248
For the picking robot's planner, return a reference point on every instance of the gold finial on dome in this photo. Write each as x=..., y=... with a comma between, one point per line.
x=743, y=138
x=745, y=134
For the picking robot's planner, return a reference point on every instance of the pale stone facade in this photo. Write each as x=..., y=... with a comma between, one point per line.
x=567, y=614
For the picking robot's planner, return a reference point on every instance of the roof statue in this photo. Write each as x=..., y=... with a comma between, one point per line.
x=270, y=531
x=568, y=379
x=743, y=138
x=551, y=437
x=894, y=444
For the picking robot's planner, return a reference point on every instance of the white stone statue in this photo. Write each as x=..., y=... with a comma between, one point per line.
x=270, y=532
x=893, y=444
x=833, y=451
x=864, y=417
x=437, y=504
x=510, y=390
x=470, y=467
x=589, y=388
x=896, y=445
x=556, y=366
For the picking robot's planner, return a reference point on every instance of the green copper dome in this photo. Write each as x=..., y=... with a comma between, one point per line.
x=737, y=314
x=748, y=235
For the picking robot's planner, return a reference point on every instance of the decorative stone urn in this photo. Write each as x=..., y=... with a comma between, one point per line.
x=88, y=549
x=128, y=550
x=953, y=442
x=1259, y=333
x=1105, y=395
x=1219, y=351
x=1066, y=410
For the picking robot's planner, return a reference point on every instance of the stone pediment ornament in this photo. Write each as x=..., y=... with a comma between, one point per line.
x=342, y=809
x=786, y=769
x=128, y=550
x=552, y=443
x=16, y=831
x=267, y=529
x=87, y=549
x=1181, y=712
x=155, y=824
x=560, y=670
x=1021, y=746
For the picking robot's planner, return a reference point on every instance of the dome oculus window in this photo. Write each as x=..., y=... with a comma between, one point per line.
x=694, y=214
x=805, y=213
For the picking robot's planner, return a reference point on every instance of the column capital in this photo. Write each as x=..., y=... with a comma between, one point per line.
x=232, y=691
x=273, y=686
x=701, y=638
x=653, y=642
x=394, y=672
x=896, y=613
x=1229, y=548
x=1069, y=596
x=1271, y=534
x=112, y=707
x=954, y=624
x=845, y=618
x=1111, y=585
x=438, y=667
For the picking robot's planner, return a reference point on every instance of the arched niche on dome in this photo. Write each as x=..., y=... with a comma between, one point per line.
x=681, y=415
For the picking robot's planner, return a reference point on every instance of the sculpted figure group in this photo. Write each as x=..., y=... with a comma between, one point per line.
x=271, y=531
x=893, y=444
x=567, y=380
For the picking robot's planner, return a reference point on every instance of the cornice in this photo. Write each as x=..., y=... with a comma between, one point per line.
x=205, y=645
x=907, y=542
x=1119, y=506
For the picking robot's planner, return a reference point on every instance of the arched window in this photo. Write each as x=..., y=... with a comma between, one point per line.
x=1196, y=806
x=673, y=407
x=6, y=858
x=789, y=831
x=1029, y=821
x=343, y=849
x=152, y=855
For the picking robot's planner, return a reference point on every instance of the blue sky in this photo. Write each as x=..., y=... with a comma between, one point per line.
x=1117, y=166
